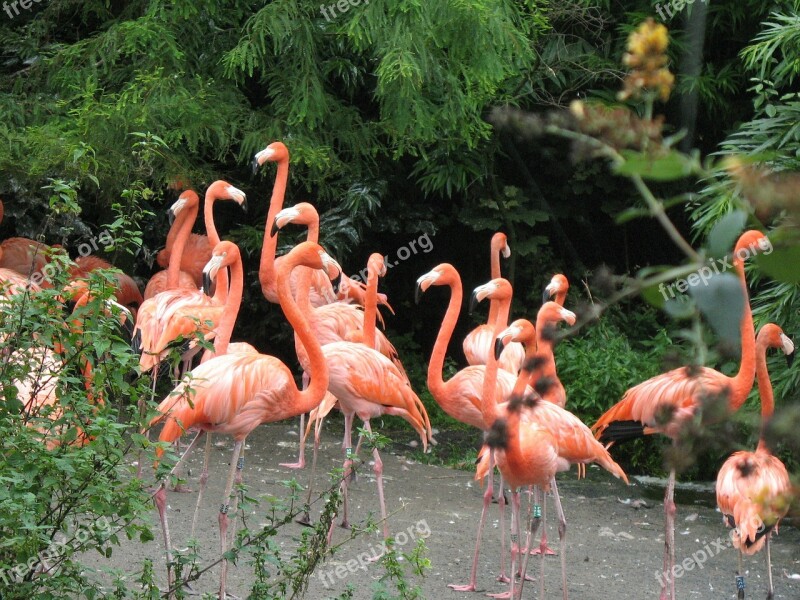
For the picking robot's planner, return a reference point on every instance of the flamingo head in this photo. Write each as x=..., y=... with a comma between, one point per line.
x=521, y=330
x=222, y=190
x=750, y=243
x=223, y=255
x=275, y=152
x=552, y=312
x=312, y=255
x=302, y=213
x=500, y=244
x=377, y=264
x=558, y=284
x=496, y=289
x=443, y=274
x=772, y=336
x=187, y=199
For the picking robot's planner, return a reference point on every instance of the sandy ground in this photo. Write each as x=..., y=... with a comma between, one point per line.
x=613, y=549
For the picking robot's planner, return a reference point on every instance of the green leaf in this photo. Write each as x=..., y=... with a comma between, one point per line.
x=782, y=264
x=725, y=233
x=721, y=301
x=669, y=167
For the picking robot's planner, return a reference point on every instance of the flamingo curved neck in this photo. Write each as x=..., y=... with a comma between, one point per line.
x=183, y=228
x=370, y=308
x=266, y=270
x=318, y=369
x=436, y=383
x=232, y=305
x=742, y=382
x=765, y=392
x=221, y=291
x=495, y=272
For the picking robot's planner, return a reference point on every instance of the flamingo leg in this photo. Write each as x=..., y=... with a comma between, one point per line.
x=237, y=482
x=543, y=547
x=562, y=535
x=301, y=454
x=740, y=578
x=305, y=518
x=160, y=499
x=511, y=594
x=203, y=481
x=668, y=581
x=533, y=528
x=501, y=504
x=378, y=470
x=142, y=414
x=348, y=464
x=223, y=517
x=771, y=590
x=487, y=500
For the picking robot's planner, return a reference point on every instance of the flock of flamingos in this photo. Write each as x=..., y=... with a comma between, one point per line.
x=510, y=389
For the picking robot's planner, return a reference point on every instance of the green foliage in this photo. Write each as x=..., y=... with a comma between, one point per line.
x=67, y=486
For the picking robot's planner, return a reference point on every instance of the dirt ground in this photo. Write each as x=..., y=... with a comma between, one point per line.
x=614, y=550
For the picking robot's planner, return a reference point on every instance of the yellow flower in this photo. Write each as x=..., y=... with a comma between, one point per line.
x=646, y=57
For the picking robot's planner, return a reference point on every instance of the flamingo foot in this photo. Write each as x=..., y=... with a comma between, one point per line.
x=470, y=587
x=300, y=464
x=500, y=595
x=548, y=551
x=182, y=488
x=503, y=578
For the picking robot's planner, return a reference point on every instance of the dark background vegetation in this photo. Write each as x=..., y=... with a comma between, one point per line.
x=384, y=110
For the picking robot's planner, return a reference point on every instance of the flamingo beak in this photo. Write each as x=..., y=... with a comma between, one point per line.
x=136, y=341
x=478, y=294
x=274, y=231
x=789, y=359
x=547, y=293
x=210, y=272
x=418, y=292
x=254, y=164
x=499, y=346
x=126, y=315
x=327, y=262
x=244, y=205
x=170, y=216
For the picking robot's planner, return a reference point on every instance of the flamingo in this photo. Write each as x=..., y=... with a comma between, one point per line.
x=182, y=215
x=752, y=487
x=195, y=254
x=574, y=440
x=477, y=345
x=460, y=396
x=234, y=393
x=181, y=312
x=665, y=402
x=375, y=268
x=332, y=322
x=126, y=291
x=541, y=369
x=558, y=287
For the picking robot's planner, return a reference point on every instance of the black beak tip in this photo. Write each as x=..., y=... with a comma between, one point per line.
x=129, y=325
x=417, y=293
x=498, y=348
x=545, y=296
x=337, y=283
x=789, y=359
x=244, y=205
x=254, y=165
x=274, y=231
x=207, y=283
x=473, y=302
x=170, y=217
x=136, y=342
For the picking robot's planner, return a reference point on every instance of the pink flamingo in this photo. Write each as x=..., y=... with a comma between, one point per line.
x=234, y=393
x=182, y=215
x=477, y=345
x=663, y=404
x=752, y=487
x=558, y=287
